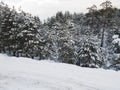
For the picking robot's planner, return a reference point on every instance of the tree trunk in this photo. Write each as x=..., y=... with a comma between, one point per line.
x=102, y=39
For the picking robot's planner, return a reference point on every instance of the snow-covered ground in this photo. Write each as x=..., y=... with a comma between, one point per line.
x=26, y=74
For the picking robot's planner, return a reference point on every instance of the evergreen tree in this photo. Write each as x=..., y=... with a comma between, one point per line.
x=106, y=5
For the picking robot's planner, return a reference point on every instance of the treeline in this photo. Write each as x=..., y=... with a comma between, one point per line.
x=87, y=40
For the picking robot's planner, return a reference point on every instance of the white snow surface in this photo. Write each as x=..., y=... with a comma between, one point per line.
x=28, y=74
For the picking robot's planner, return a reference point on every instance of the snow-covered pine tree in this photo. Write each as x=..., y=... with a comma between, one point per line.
x=6, y=25
x=88, y=55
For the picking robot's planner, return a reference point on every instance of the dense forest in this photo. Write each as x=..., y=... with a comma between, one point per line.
x=87, y=40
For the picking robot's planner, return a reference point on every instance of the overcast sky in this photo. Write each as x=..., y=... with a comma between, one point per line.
x=47, y=8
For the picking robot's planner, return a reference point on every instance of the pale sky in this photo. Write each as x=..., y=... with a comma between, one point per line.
x=48, y=8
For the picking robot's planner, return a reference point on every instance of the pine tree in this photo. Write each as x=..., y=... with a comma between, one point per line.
x=6, y=25
x=91, y=21
x=106, y=5
x=88, y=55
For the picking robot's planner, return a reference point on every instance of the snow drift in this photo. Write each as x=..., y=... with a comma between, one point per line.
x=27, y=74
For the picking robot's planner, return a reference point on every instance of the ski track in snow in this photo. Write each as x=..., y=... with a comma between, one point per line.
x=27, y=74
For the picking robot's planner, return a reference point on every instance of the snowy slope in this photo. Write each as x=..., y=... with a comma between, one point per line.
x=26, y=74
